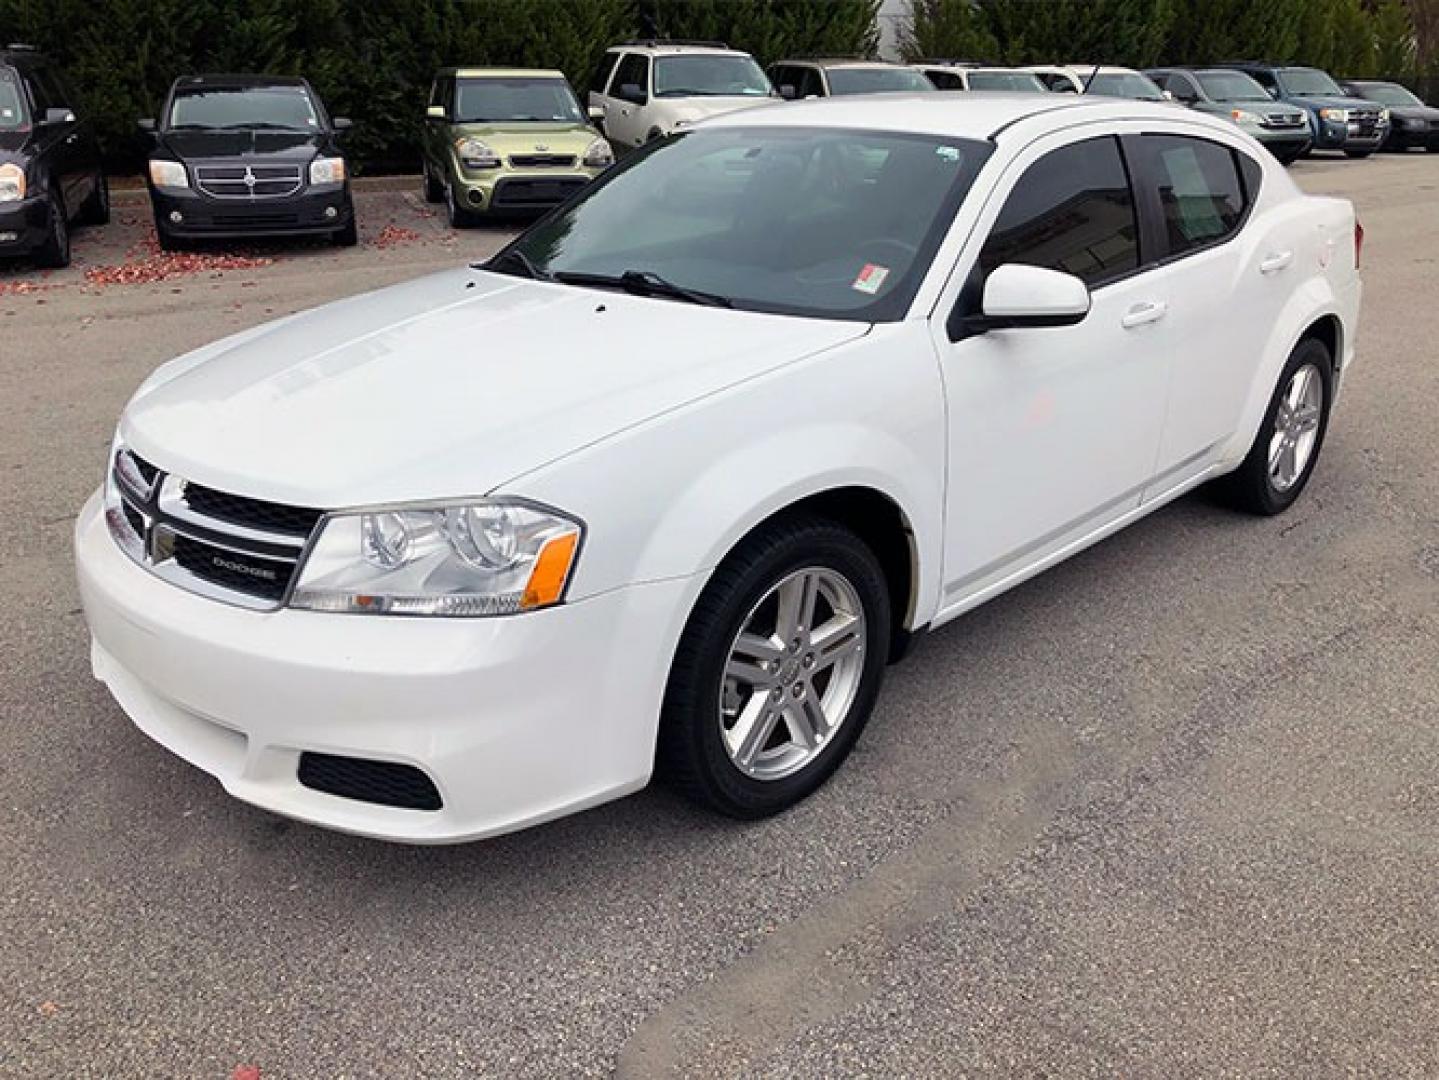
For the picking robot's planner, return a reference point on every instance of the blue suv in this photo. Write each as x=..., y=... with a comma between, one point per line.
x=1339, y=121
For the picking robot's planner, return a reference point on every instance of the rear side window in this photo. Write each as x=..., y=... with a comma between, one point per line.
x=1201, y=194
x=1072, y=210
x=945, y=80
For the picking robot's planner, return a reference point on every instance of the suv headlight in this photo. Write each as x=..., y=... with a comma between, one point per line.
x=327, y=170
x=1334, y=114
x=12, y=183
x=600, y=155
x=456, y=559
x=475, y=154
x=1244, y=116
x=1384, y=116
x=170, y=174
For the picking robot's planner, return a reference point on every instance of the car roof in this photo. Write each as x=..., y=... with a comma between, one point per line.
x=675, y=48
x=976, y=115
x=500, y=73
x=238, y=82
x=840, y=62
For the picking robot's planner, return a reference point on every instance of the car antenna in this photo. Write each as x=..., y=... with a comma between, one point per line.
x=1092, y=76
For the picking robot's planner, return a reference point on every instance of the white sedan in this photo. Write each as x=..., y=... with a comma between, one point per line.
x=668, y=482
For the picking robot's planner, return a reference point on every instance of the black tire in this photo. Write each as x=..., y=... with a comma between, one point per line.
x=348, y=236
x=1358, y=155
x=1250, y=487
x=54, y=252
x=458, y=216
x=168, y=240
x=434, y=190
x=691, y=753
x=96, y=209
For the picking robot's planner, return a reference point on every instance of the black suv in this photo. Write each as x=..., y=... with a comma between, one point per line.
x=247, y=155
x=1339, y=120
x=1411, y=122
x=50, y=170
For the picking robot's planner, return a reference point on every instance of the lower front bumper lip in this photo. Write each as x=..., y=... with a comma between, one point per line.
x=474, y=704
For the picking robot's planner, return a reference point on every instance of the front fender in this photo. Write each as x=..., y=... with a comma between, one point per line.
x=671, y=497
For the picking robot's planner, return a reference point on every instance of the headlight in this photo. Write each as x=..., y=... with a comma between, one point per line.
x=169, y=174
x=475, y=154
x=1334, y=114
x=327, y=170
x=1384, y=116
x=12, y=183
x=472, y=558
x=1243, y=116
x=599, y=156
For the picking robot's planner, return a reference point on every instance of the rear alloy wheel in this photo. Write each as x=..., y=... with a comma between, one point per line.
x=54, y=253
x=1287, y=447
x=778, y=669
x=96, y=209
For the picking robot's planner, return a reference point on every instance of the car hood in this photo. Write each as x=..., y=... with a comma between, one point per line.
x=1413, y=112
x=1335, y=102
x=249, y=145
x=528, y=138
x=446, y=386
x=695, y=109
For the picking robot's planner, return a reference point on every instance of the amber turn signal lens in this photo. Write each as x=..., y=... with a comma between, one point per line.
x=552, y=570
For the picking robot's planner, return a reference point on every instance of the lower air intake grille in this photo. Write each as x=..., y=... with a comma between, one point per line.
x=386, y=783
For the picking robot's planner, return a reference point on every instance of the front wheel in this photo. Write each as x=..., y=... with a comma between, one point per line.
x=1358, y=155
x=777, y=670
x=348, y=236
x=1284, y=453
x=458, y=216
x=54, y=252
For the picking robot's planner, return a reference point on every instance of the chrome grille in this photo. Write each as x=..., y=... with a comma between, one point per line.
x=248, y=181
x=542, y=161
x=1284, y=120
x=227, y=547
x=1366, y=120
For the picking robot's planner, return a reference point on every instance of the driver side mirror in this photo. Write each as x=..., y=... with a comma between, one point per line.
x=1018, y=297
x=596, y=114
x=59, y=116
x=147, y=126
x=342, y=123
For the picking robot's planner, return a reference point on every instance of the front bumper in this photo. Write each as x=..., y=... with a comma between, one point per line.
x=516, y=720
x=1283, y=143
x=1339, y=135
x=1407, y=138
x=308, y=212
x=24, y=225
x=501, y=190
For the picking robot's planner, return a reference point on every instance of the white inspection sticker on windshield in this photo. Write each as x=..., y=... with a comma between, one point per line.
x=870, y=278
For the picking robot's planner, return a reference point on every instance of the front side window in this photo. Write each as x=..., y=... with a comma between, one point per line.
x=828, y=223
x=946, y=80
x=633, y=72
x=1073, y=211
x=516, y=99
x=1227, y=86
x=287, y=108
x=1309, y=82
x=1200, y=190
x=710, y=75
x=12, y=102
x=877, y=80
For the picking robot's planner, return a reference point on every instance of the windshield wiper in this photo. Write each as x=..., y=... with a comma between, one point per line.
x=516, y=258
x=643, y=283
x=258, y=125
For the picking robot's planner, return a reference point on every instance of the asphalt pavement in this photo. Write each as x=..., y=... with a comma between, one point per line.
x=1170, y=809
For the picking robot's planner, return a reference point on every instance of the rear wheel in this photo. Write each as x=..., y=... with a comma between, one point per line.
x=1286, y=449
x=96, y=209
x=54, y=252
x=778, y=669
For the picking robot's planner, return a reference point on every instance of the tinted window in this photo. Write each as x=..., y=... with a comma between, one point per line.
x=1232, y=86
x=810, y=84
x=284, y=107
x=945, y=80
x=1072, y=210
x=12, y=101
x=634, y=70
x=1200, y=192
x=825, y=222
x=602, y=74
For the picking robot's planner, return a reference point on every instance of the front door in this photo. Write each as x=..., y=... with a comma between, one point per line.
x=1053, y=432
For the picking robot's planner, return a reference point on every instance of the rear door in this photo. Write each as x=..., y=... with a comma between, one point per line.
x=1053, y=432
x=1223, y=279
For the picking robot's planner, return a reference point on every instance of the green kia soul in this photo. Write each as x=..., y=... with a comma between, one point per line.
x=498, y=140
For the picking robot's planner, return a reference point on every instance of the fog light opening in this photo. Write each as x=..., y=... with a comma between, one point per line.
x=176, y=217
x=476, y=197
x=331, y=213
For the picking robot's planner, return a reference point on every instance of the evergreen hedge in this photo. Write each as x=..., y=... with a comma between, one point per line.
x=372, y=60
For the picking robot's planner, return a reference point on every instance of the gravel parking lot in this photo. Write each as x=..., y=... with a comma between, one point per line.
x=1169, y=809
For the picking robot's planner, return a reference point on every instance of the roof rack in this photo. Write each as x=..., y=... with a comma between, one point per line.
x=945, y=61
x=20, y=46
x=658, y=42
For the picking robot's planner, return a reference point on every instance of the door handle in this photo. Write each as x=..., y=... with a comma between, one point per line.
x=1277, y=262
x=1140, y=314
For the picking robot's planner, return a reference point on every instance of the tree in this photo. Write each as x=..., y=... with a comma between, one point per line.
x=1394, y=42
x=951, y=29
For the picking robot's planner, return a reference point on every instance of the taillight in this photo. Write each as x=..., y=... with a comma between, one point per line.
x=1358, y=242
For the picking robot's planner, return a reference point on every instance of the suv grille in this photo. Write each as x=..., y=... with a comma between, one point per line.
x=387, y=783
x=1284, y=120
x=248, y=181
x=228, y=547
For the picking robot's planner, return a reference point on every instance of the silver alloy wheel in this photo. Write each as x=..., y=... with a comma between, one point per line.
x=792, y=674
x=1296, y=427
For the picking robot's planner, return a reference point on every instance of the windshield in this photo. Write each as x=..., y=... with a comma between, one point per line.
x=517, y=98
x=12, y=102
x=800, y=221
x=1388, y=94
x=1128, y=84
x=284, y=107
x=1006, y=80
x=1233, y=86
x=1309, y=82
x=877, y=80
x=710, y=75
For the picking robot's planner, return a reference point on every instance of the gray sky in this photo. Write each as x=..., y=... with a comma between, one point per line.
x=891, y=13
